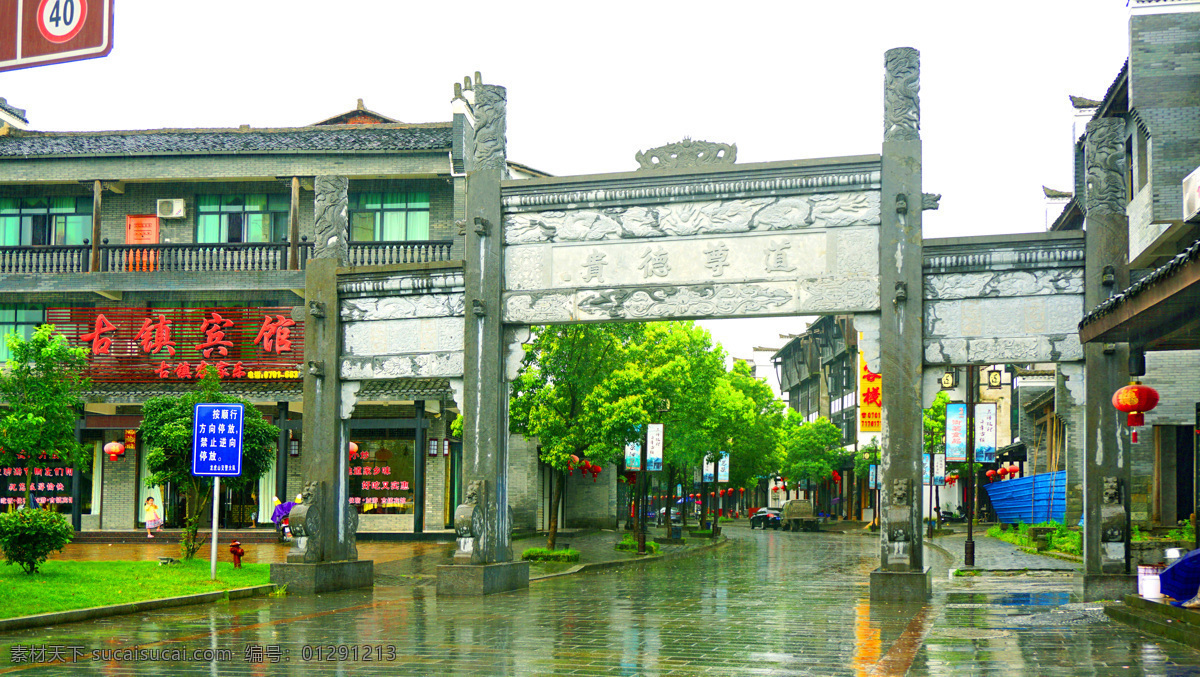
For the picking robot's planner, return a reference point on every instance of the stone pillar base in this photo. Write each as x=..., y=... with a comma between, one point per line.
x=307, y=579
x=901, y=586
x=1092, y=587
x=481, y=579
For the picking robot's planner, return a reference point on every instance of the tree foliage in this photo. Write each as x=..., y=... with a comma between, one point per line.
x=42, y=386
x=934, y=421
x=555, y=398
x=167, y=425
x=811, y=450
x=588, y=390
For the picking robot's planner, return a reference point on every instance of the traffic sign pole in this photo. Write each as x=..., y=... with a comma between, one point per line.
x=216, y=504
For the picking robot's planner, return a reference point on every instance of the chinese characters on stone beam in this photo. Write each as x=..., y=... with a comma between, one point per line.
x=656, y=261
x=136, y=344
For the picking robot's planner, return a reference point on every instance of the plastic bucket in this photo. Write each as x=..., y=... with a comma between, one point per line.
x=1148, y=583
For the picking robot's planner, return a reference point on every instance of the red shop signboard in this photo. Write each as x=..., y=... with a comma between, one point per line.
x=140, y=345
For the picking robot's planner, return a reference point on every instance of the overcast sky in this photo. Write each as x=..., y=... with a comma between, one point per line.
x=590, y=84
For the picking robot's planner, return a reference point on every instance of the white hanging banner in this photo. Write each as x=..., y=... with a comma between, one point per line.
x=985, y=432
x=654, y=447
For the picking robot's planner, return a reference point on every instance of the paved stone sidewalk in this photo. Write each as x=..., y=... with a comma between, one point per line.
x=994, y=554
x=768, y=603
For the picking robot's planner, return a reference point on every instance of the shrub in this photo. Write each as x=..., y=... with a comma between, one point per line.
x=1184, y=533
x=1063, y=539
x=546, y=555
x=629, y=544
x=28, y=536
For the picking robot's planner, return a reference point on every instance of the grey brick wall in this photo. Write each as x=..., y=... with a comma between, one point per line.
x=591, y=504
x=1164, y=88
x=523, y=482
x=1175, y=374
x=119, y=495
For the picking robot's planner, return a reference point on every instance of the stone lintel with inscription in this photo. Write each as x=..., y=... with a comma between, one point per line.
x=700, y=301
x=422, y=365
x=996, y=253
x=1003, y=350
x=690, y=218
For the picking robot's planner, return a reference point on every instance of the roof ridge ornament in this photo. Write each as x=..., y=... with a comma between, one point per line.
x=687, y=153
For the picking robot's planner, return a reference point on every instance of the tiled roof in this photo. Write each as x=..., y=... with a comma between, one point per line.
x=1192, y=253
x=347, y=139
x=134, y=393
x=13, y=110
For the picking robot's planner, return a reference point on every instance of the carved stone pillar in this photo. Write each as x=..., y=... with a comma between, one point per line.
x=331, y=218
x=328, y=558
x=902, y=574
x=486, y=523
x=1106, y=471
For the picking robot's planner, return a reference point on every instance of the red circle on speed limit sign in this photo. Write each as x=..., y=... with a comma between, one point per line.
x=60, y=20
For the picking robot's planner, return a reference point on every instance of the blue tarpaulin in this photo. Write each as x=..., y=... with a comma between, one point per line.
x=1181, y=579
x=1030, y=500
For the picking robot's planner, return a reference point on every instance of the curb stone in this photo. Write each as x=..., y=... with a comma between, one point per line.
x=76, y=615
x=617, y=563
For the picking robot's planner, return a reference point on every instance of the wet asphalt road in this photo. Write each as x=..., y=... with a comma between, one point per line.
x=768, y=603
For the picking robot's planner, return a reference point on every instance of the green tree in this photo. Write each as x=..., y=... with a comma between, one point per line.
x=811, y=451
x=934, y=420
x=670, y=373
x=556, y=398
x=42, y=386
x=167, y=425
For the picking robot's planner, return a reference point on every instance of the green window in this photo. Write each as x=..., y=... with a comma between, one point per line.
x=41, y=221
x=389, y=217
x=21, y=319
x=255, y=217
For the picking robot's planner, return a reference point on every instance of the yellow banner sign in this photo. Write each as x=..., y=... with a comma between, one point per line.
x=870, y=398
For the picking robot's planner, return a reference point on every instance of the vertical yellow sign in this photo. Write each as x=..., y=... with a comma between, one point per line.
x=870, y=398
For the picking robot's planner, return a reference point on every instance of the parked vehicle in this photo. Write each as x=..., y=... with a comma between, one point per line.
x=798, y=516
x=765, y=518
x=676, y=515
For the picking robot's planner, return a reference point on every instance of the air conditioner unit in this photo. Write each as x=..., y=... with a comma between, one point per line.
x=1191, y=197
x=171, y=209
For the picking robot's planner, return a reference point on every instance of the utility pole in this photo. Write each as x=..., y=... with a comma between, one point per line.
x=969, y=552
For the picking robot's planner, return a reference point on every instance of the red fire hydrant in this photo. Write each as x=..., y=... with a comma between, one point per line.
x=235, y=549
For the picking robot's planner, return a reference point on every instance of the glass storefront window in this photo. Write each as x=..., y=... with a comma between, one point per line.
x=381, y=476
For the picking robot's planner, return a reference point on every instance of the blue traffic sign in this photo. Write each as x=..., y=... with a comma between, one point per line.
x=217, y=440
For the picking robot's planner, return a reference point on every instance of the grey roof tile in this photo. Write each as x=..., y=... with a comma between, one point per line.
x=12, y=110
x=348, y=138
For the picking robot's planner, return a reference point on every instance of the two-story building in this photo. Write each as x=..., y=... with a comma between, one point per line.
x=165, y=250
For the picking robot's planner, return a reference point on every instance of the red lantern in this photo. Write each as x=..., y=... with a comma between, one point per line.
x=1135, y=399
x=836, y=476
x=742, y=490
x=991, y=475
x=595, y=472
x=114, y=449
x=353, y=450
x=775, y=488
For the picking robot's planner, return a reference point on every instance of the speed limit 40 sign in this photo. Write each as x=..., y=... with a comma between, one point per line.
x=38, y=32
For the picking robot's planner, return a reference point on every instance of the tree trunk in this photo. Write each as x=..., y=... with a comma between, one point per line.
x=555, y=500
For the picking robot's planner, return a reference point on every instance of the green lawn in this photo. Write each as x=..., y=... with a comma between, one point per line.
x=62, y=585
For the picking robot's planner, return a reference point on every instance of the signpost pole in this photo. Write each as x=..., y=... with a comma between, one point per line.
x=216, y=507
x=969, y=548
x=643, y=478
